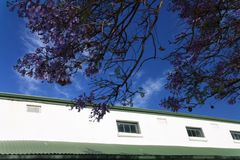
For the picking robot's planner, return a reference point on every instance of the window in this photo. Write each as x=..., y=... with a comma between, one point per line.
x=34, y=108
x=128, y=127
x=194, y=132
x=235, y=135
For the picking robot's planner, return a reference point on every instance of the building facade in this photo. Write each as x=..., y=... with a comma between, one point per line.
x=44, y=126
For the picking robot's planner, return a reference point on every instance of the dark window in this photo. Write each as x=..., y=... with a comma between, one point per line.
x=235, y=135
x=194, y=132
x=128, y=127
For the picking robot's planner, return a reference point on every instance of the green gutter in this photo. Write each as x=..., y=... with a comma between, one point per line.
x=20, y=97
x=174, y=114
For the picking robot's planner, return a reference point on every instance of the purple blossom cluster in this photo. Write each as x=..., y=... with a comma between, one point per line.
x=66, y=30
x=98, y=110
x=89, y=37
x=206, y=63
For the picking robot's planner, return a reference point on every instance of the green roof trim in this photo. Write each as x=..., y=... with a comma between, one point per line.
x=51, y=147
x=174, y=114
x=20, y=97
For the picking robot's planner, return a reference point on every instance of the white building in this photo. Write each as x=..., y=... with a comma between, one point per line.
x=48, y=128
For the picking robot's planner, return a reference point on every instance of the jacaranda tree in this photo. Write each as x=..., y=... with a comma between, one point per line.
x=105, y=40
x=206, y=61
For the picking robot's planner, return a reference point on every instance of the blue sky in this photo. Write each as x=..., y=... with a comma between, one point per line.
x=15, y=40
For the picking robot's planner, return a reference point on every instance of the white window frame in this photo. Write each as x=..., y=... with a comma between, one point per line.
x=129, y=134
x=192, y=138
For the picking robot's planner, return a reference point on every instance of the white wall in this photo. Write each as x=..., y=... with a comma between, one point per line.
x=59, y=123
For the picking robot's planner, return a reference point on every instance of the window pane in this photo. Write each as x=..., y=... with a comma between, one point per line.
x=189, y=133
x=198, y=133
x=194, y=133
x=127, y=128
x=133, y=129
x=235, y=135
x=120, y=128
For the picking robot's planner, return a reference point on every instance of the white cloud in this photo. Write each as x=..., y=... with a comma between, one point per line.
x=31, y=41
x=62, y=91
x=76, y=84
x=68, y=91
x=151, y=87
x=139, y=74
x=29, y=86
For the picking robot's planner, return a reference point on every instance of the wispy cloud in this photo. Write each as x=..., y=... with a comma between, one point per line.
x=62, y=91
x=151, y=87
x=30, y=40
x=139, y=75
x=69, y=91
x=34, y=87
x=29, y=86
x=76, y=84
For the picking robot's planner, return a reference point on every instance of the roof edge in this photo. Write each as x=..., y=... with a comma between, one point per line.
x=48, y=100
x=59, y=101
